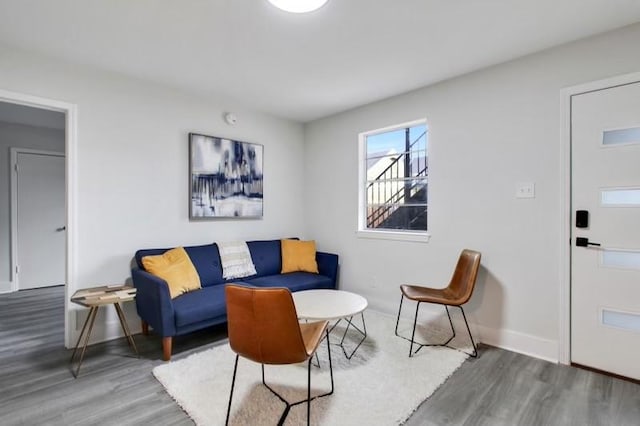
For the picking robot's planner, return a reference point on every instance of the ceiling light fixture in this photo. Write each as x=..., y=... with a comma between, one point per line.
x=298, y=6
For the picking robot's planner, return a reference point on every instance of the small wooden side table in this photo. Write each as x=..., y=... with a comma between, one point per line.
x=95, y=297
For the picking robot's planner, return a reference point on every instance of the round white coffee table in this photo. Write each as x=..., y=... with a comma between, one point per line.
x=333, y=305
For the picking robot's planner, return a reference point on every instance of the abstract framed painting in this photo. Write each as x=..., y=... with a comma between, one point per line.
x=226, y=178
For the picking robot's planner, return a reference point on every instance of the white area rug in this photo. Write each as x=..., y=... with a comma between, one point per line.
x=380, y=385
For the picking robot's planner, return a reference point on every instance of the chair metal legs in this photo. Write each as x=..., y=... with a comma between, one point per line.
x=288, y=404
x=233, y=382
x=474, y=354
x=475, y=349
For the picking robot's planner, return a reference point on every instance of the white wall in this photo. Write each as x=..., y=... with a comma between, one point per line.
x=132, y=166
x=488, y=131
x=18, y=136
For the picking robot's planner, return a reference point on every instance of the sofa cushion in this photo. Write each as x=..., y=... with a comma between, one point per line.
x=294, y=281
x=201, y=305
x=176, y=268
x=148, y=252
x=299, y=256
x=266, y=256
x=235, y=258
x=206, y=259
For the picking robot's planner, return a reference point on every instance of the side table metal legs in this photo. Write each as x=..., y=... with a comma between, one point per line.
x=91, y=319
x=125, y=328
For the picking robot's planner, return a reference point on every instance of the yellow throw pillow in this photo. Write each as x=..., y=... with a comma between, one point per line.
x=299, y=256
x=176, y=268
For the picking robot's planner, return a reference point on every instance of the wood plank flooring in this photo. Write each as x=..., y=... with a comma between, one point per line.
x=115, y=388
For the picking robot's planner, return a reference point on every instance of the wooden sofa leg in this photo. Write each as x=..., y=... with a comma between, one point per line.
x=166, y=348
x=145, y=328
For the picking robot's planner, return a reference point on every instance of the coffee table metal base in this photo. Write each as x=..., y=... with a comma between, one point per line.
x=350, y=324
x=333, y=305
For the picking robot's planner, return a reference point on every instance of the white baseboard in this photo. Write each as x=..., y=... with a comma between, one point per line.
x=510, y=340
x=106, y=327
x=6, y=287
x=526, y=344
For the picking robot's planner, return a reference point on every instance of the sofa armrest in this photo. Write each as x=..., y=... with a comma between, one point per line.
x=153, y=302
x=328, y=265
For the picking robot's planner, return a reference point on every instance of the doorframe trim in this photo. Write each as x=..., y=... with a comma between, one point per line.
x=13, y=153
x=564, y=341
x=70, y=111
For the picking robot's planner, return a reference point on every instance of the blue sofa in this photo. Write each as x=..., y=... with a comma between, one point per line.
x=206, y=307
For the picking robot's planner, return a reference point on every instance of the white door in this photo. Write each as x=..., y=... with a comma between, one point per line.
x=605, y=182
x=40, y=233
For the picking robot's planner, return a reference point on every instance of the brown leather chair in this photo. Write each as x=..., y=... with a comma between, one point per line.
x=457, y=293
x=263, y=327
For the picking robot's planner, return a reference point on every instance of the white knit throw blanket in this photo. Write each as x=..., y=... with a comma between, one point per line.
x=236, y=260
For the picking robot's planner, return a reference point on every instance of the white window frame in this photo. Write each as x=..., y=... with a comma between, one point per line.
x=386, y=234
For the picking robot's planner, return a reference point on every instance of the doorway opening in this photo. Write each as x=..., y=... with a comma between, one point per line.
x=37, y=139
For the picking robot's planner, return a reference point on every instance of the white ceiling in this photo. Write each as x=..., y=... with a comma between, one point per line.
x=302, y=67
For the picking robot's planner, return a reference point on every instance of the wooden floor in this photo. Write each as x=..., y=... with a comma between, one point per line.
x=115, y=388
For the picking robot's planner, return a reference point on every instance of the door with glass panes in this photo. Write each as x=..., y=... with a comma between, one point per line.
x=605, y=253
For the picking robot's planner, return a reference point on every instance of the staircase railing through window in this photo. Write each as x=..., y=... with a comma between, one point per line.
x=396, y=184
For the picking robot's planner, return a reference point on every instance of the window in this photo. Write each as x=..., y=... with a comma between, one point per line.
x=393, y=180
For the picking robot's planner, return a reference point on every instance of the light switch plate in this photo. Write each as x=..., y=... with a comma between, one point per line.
x=526, y=190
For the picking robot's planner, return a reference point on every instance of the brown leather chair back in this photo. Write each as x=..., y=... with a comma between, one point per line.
x=263, y=325
x=464, y=277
